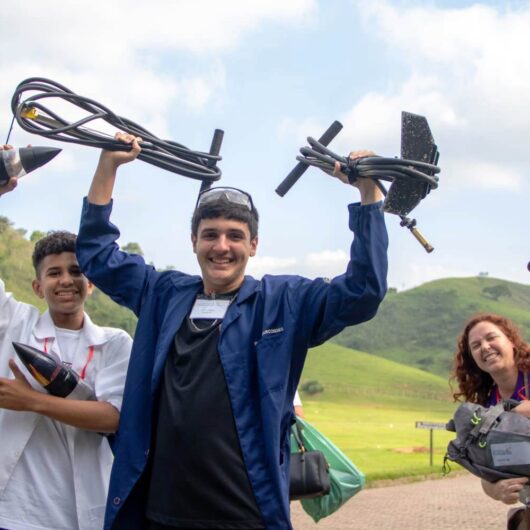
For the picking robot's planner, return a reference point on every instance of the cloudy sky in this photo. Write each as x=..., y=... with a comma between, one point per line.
x=270, y=73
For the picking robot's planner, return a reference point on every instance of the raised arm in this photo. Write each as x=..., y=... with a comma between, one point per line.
x=121, y=275
x=103, y=181
x=353, y=297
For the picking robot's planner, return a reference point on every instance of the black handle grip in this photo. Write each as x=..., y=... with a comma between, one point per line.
x=215, y=148
x=290, y=180
x=217, y=140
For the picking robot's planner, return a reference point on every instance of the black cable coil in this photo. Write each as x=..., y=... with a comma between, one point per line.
x=35, y=118
x=375, y=167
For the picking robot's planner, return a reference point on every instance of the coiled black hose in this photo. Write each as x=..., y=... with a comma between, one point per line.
x=34, y=117
x=375, y=167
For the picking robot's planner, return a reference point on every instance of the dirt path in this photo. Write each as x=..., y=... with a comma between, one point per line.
x=454, y=502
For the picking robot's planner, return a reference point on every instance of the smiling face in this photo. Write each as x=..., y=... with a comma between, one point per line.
x=65, y=289
x=491, y=349
x=223, y=247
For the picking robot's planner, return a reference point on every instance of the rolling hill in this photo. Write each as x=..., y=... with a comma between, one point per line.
x=418, y=327
x=353, y=377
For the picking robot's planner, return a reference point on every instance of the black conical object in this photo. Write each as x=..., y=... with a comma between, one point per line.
x=19, y=162
x=58, y=379
x=34, y=157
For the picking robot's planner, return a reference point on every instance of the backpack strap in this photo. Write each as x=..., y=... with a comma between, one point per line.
x=487, y=420
x=525, y=377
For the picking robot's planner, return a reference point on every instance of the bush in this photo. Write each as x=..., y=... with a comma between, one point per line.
x=312, y=387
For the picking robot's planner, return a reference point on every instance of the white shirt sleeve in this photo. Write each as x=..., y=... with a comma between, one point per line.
x=297, y=402
x=110, y=379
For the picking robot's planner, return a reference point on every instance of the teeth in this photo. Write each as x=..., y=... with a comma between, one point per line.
x=489, y=355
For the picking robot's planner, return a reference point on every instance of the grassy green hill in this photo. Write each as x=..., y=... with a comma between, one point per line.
x=419, y=327
x=369, y=408
x=17, y=273
x=353, y=377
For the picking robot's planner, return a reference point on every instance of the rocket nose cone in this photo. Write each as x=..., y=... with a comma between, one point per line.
x=33, y=157
x=25, y=352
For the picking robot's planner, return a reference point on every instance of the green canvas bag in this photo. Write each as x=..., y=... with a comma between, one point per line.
x=346, y=479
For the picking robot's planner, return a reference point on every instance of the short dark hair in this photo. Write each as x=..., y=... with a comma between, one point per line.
x=53, y=242
x=227, y=210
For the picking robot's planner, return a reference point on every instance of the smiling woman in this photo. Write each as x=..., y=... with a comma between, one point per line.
x=490, y=360
x=491, y=365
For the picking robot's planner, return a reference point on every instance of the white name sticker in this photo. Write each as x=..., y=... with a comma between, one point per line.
x=510, y=454
x=208, y=308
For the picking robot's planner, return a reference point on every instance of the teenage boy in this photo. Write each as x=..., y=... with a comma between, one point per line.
x=208, y=405
x=55, y=459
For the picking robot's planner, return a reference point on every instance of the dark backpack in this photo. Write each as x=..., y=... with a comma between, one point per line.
x=492, y=443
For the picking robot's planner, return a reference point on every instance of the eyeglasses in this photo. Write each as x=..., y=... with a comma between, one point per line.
x=233, y=195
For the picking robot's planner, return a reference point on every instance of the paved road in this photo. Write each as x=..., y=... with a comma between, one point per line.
x=451, y=503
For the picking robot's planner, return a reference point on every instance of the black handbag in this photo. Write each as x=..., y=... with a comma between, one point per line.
x=308, y=471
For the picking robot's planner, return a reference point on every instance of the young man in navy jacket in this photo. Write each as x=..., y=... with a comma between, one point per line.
x=221, y=342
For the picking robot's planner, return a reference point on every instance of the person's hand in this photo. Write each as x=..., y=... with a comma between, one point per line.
x=16, y=394
x=506, y=491
x=523, y=408
x=113, y=159
x=370, y=193
x=11, y=184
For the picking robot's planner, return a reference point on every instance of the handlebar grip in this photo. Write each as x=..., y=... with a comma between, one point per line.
x=290, y=180
x=215, y=148
x=217, y=140
x=421, y=239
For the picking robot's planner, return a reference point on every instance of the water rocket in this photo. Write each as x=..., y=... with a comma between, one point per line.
x=57, y=378
x=19, y=162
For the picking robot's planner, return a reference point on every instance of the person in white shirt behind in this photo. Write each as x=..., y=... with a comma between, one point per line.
x=55, y=459
x=298, y=406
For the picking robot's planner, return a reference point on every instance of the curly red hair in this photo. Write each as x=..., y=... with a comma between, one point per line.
x=475, y=385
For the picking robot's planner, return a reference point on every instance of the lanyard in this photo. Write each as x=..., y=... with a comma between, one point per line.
x=88, y=359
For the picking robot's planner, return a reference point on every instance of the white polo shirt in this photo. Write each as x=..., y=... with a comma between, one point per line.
x=54, y=476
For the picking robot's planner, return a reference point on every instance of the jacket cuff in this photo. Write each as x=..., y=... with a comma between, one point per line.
x=97, y=211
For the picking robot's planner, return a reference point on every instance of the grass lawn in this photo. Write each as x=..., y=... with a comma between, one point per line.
x=382, y=440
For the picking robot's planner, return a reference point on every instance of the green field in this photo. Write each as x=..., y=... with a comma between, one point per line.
x=381, y=441
x=369, y=408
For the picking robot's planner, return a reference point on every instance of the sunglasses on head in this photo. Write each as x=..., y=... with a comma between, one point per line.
x=233, y=195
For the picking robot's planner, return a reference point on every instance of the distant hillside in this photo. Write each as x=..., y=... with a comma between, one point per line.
x=17, y=273
x=419, y=327
x=352, y=377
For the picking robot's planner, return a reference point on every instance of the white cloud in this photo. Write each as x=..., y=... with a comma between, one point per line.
x=468, y=71
x=133, y=56
x=484, y=175
x=258, y=266
x=375, y=119
x=324, y=264
x=327, y=263
x=107, y=33
x=412, y=274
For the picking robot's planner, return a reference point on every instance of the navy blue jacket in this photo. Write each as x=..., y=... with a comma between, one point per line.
x=263, y=344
